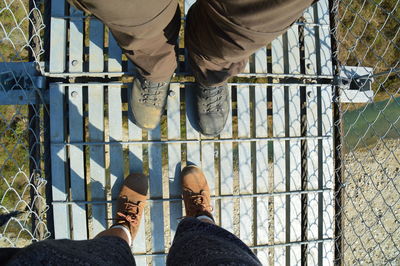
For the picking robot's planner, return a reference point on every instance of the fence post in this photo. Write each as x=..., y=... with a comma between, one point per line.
x=337, y=130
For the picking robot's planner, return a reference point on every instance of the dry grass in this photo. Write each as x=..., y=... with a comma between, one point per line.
x=368, y=35
x=14, y=23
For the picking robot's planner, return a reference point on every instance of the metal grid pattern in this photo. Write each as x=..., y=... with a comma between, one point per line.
x=22, y=182
x=368, y=196
x=270, y=170
x=294, y=72
x=245, y=181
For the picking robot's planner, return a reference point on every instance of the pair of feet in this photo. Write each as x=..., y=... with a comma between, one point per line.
x=132, y=198
x=148, y=100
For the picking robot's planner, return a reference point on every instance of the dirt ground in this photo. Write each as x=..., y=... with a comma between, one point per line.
x=371, y=216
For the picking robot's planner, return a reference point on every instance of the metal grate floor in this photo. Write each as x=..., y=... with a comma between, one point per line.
x=270, y=170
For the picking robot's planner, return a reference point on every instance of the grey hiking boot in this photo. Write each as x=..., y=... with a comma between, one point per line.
x=212, y=108
x=147, y=102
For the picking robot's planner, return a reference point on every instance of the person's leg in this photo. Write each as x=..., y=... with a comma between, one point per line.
x=202, y=243
x=117, y=232
x=147, y=30
x=198, y=241
x=130, y=207
x=104, y=250
x=112, y=246
x=220, y=36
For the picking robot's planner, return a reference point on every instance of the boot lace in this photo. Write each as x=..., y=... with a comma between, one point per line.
x=151, y=93
x=199, y=201
x=130, y=213
x=213, y=99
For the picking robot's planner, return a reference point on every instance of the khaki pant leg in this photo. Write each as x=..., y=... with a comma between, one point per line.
x=222, y=34
x=146, y=29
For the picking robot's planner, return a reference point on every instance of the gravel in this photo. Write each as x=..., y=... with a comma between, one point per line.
x=371, y=215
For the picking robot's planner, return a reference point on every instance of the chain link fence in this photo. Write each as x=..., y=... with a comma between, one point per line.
x=368, y=199
x=22, y=112
x=367, y=55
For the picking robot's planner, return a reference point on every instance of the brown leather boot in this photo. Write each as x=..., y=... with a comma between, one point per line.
x=195, y=192
x=131, y=202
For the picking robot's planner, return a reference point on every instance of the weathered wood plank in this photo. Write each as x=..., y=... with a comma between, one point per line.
x=327, y=215
x=261, y=128
x=193, y=149
x=97, y=162
x=115, y=133
x=77, y=178
x=174, y=157
x=320, y=173
x=226, y=173
x=75, y=41
x=323, y=12
x=208, y=167
x=193, y=153
x=293, y=50
x=227, y=131
x=308, y=14
x=279, y=122
x=286, y=52
x=261, y=60
x=263, y=222
x=58, y=155
x=188, y=4
x=96, y=127
x=295, y=229
x=294, y=221
x=114, y=55
x=280, y=256
x=245, y=172
x=76, y=161
x=246, y=69
x=278, y=55
x=310, y=52
x=262, y=255
x=312, y=253
x=312, y=173
x=96, y=45
x=136, y=166
x=58, y=35
x=325, y=52
x=156, y=191
x=243, y=105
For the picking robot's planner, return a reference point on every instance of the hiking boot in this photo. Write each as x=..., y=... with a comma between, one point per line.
x=147, y=102
x=212, y=108
x=195, y=192
x=131, y=202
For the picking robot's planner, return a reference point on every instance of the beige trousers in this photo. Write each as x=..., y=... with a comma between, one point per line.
x=220, y=34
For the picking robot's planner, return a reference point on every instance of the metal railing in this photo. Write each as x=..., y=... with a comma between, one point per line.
x=22, y=112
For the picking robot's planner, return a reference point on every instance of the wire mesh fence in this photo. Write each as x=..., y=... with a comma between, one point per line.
x=22, y=182
x=368, y=200
x=367, y=59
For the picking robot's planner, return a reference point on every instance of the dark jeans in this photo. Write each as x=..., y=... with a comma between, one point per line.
x=220, y=34
x=195, y=243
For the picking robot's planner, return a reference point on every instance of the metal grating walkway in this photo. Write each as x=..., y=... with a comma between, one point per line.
x=270, y=170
